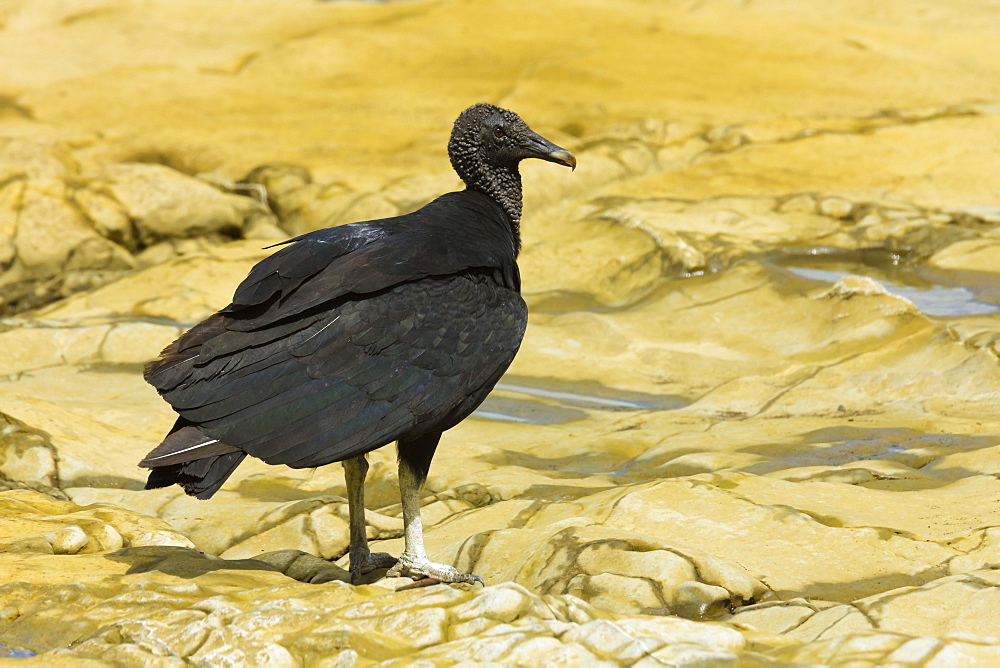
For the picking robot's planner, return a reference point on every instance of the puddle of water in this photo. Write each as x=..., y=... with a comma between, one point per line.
x=846, y=444
x=8, y=652
x=591, y=394
x=936, y=292
x=550, y=401
x=507, y=409
x=934, y=300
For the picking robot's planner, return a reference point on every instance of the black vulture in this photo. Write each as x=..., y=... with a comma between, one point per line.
x=353, y=337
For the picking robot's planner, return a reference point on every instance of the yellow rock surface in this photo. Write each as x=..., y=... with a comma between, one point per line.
x=756, y=416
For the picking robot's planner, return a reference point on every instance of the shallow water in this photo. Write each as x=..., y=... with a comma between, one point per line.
x=936, y=292
x=553, y=401
x=843, y=444
x=8, y=652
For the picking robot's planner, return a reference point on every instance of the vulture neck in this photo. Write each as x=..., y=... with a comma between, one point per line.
x=501, y=183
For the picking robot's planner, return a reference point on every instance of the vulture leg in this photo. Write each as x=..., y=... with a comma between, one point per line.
x=414, y=562
x=362, y=560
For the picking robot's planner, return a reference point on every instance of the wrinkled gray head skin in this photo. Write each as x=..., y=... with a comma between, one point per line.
x=486, y=145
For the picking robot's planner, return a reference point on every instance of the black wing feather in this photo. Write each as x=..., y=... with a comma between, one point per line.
x=377, y=255
x=366, y=390
x=349, y=339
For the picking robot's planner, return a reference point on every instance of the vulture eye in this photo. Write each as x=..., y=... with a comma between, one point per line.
x=498, y=132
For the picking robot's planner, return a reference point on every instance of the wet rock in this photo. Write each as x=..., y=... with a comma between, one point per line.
x=861, y=286
x=697, y=600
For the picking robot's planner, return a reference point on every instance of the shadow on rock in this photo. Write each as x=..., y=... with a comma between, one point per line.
x=181, y=561
x=187, y=563
x=929, y=458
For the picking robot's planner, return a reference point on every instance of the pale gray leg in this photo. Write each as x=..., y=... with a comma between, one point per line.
x=414, y=562
x=362, y=560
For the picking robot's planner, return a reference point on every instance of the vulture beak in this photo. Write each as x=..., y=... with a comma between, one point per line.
x=537, y=146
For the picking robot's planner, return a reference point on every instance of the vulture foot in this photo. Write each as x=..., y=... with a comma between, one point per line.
x=423, y=568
